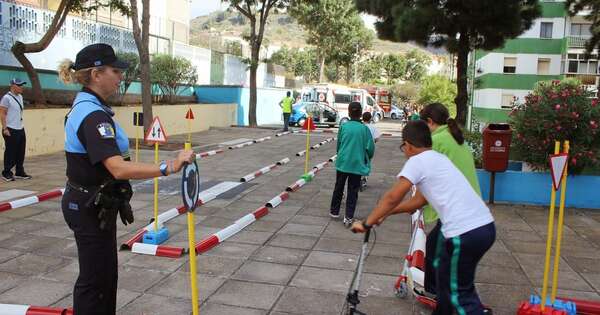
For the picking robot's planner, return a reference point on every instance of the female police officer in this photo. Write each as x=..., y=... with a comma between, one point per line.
x=98, y=168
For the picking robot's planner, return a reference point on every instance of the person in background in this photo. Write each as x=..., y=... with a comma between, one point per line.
x=375, y=134
x=286, y=108
x=355, y=149
x=13, y=131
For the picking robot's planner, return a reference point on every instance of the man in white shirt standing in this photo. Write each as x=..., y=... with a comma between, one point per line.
x=13, y=131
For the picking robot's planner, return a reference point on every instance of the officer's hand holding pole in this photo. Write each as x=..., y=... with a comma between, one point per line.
x=184, y=157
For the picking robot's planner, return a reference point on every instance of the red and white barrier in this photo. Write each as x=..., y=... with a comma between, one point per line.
x=31, y=200
x=13, y=309
x=262, y=139
x=279, y=134
x=283, y=161
x=417, y=258
x=295, y=186
x=213, y=240
x=301, y=153
x=264, y=170
x=333, y=158
x=277, y=200
x=261, y=171
x=157, y=250
x=241, y=145
x=316, y=146
x=321, y=166
x=208, y=153
x=203, y=198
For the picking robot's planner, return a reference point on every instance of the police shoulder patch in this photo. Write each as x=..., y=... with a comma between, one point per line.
x=106, y=130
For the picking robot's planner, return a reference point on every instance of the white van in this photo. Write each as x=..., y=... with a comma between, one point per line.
x=338, y=97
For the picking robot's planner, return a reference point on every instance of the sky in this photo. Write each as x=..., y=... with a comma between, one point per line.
x=204, y=7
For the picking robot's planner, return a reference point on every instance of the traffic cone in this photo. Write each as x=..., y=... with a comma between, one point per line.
x=309, y=124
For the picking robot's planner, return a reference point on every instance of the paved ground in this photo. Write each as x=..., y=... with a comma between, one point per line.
x=296, y=260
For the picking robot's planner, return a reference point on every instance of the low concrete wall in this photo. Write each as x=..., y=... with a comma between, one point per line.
x=534, y=188
x=45, y=132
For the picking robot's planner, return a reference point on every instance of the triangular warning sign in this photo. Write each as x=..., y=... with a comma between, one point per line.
x=156, y=133
x=558, y=164
x=189, y=114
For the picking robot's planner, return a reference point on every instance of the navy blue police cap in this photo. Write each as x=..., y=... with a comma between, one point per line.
x=97, y=55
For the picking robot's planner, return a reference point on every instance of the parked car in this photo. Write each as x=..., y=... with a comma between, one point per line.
x=396, y=113
x=319, y=111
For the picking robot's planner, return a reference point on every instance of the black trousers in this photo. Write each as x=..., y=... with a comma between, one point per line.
x=338, y=192
x=286, y=121
x=95, y=291
x=456, y=271
x=431, y=248
x=14, y=152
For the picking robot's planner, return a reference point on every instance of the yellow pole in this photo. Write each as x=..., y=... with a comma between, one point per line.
x=549, y=237
x=155, y=189
x=190, y=133
x=137, y=142
x=307, y=144
x=561, y=216
x=192, y=244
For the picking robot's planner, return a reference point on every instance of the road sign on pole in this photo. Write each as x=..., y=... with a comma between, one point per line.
x=156, y=133
x=558, y=164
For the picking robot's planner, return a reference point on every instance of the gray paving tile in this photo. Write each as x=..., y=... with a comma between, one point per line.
x=256, y=271
x=220, y=309
x=322, y=279
x=386, y=305
x=329, y=260
x=231, y=249
x=309, y=301
x=137, y=279
x=156, y=305
x=219, y=266
x=383, y=265
x=280, y=255
x=251, y=237
x=10, y=280
x=178, y=285
x=32, y=265
x=36, y=292
x=293, y=241
x=245, y=294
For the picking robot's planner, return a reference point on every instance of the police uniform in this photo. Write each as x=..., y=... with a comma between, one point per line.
x=91, y=136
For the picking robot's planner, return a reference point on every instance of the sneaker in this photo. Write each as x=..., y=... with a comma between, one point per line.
x=333, y=215
x=22, y=176
x=487, y=311
x=8, y=178
x=348, y=221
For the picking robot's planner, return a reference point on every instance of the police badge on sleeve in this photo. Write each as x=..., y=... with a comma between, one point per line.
x=106, y=130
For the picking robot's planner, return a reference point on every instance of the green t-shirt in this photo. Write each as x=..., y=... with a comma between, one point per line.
x=286, y=104
x=461, y=157
x=355, y=148
x=415, y=116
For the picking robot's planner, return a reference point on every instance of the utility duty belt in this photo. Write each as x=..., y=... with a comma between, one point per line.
x=108, y=199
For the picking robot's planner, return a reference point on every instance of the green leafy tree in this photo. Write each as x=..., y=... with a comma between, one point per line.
x=355, y=41
x=416, y=64
x=371, y=69
x=130, y=74
x=233, y=48
x=65, y=7
x=298, y=62
x=437, y=88
x=394, y=67
x=329, y=23
x=257, y=12
x=406, y=93
x=558, y=111
x=458, y=25
x=171, y=74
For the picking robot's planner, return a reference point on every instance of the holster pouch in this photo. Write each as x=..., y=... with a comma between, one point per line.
x=111, y=198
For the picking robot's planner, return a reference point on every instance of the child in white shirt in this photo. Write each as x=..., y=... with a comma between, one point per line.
x=468, y=229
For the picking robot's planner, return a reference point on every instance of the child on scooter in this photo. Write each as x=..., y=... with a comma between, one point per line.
x=468, y=229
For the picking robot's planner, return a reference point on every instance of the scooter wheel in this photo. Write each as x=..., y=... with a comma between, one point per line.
x=402, y=291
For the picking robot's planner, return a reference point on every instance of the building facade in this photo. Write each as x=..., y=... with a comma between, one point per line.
x=553, y=48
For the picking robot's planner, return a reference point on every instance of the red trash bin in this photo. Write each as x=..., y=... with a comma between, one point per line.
x=496, y=147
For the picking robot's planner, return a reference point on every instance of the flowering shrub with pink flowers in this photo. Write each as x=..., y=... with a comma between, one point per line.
x=558, y=110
